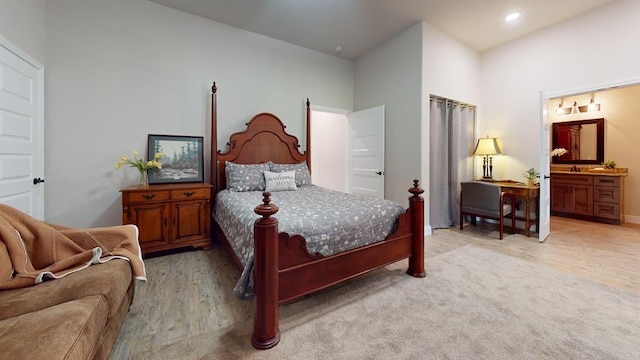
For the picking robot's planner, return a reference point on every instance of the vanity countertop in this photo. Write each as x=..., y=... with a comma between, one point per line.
x=591, y=171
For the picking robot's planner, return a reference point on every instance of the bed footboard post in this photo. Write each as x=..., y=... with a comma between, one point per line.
x=266, y=333
x=416, y=204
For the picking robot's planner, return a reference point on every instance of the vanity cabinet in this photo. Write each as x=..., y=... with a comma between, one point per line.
x=608, y=197
x=588, y=197
x=169, y=216
x=572, y=194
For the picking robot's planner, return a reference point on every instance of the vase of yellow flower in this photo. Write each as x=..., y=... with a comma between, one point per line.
x=142, y=166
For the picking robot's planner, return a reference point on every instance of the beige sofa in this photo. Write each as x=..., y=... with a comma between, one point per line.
x=74, y=317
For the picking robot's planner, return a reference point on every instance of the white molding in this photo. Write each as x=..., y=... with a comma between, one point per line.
x=632, y=219
x=5, y=43
x=329, y=109
x=428, y=230
x=592, y=88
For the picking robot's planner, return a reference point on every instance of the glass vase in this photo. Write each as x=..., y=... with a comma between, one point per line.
x=143, y=180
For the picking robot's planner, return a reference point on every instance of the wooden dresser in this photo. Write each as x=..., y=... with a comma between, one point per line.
x=169, y=216
x=588, y=196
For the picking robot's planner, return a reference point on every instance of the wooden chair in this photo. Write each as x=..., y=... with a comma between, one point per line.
x=486, y=200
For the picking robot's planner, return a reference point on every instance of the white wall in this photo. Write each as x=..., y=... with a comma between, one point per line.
x=391, y=75
x=402, y=74
x=329, y=150
x=599, y=47
x=118, y=70
x=23, y=23
x=450, y=70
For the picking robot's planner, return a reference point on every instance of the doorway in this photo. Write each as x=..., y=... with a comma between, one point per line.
x=621, y=134
x=329, y=148
x=348, y=150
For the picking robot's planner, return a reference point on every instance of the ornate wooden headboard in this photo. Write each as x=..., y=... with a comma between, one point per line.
x=264, y=139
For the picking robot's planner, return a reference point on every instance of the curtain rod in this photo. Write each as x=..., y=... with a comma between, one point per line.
x=442, y=100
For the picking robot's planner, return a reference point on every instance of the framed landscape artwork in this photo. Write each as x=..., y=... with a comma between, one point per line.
x=182, y=159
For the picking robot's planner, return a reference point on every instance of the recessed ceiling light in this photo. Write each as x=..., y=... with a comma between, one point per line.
x=338, y=49
x=512, y=17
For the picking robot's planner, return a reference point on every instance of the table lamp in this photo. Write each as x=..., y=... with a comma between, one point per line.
x=487, y=147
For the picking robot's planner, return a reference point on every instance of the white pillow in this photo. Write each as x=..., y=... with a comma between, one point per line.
x=280, y=181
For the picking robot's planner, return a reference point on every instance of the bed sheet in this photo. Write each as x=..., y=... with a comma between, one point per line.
x=330, y=221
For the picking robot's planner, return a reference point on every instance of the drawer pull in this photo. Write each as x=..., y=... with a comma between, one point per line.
x=149, y=196
x=189, y=193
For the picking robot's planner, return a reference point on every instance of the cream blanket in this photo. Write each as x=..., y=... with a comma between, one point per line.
x=32, y=251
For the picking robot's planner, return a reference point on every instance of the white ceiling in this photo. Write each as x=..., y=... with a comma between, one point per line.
x=358, y=26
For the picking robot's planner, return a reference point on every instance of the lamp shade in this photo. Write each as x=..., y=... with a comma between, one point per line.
x=488, y=146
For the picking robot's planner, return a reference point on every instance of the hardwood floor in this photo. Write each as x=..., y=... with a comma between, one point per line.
x=191, y=292
x=608, y=254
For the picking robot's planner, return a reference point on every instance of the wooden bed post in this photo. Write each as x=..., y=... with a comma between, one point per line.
x=416, y=204
x=266, y=333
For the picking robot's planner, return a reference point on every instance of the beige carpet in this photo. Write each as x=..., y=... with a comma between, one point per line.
x=473, y=304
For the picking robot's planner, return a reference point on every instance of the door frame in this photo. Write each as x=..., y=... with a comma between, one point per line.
x=38, y=190
x=548, y=95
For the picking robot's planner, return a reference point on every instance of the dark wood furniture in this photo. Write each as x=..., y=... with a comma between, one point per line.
x=486, y=200
x=169, y=216
x=284, y=270
x=593, y=197
x=530, y=195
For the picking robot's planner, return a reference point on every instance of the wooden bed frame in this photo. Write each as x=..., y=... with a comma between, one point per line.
x=284, y=269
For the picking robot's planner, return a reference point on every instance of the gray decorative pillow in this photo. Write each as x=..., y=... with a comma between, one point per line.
x=246, y=177
x=281, y=181
x=303, y=176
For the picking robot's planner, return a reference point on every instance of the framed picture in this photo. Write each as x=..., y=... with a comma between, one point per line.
x=182, y=159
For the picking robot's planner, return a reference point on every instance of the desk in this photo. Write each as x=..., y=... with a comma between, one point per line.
x=529, y=193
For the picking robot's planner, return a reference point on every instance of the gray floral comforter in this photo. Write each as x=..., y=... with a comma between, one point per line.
x=329, y=220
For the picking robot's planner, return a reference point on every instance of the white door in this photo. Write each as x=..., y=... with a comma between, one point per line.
x=545, y=199
x=366, y=152
x=21, y=131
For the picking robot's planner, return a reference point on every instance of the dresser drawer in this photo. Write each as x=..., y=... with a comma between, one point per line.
x=572, y=179
x=196, y=193
x=148, y=196
x=606, y=194
x=606, y=210
x=606, y=181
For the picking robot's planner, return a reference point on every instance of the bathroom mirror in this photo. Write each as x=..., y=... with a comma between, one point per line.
x=583, y=140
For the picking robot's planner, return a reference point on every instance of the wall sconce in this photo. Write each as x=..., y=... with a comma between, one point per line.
x=592, y=105
x=487, y=147
x=575, y=109
x=560, y=109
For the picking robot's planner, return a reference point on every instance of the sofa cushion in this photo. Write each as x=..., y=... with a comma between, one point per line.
x=71, y=330
x=110, y=279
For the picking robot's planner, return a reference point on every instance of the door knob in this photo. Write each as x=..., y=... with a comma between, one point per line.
x=36, y=181
x=546, y=177
x=379, y=172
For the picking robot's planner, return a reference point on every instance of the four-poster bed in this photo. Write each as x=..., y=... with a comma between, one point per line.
x=284, y=269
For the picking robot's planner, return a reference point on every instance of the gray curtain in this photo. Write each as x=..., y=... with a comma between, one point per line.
x=452, y=134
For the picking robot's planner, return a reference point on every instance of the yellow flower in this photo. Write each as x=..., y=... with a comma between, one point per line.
x=139, y=163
